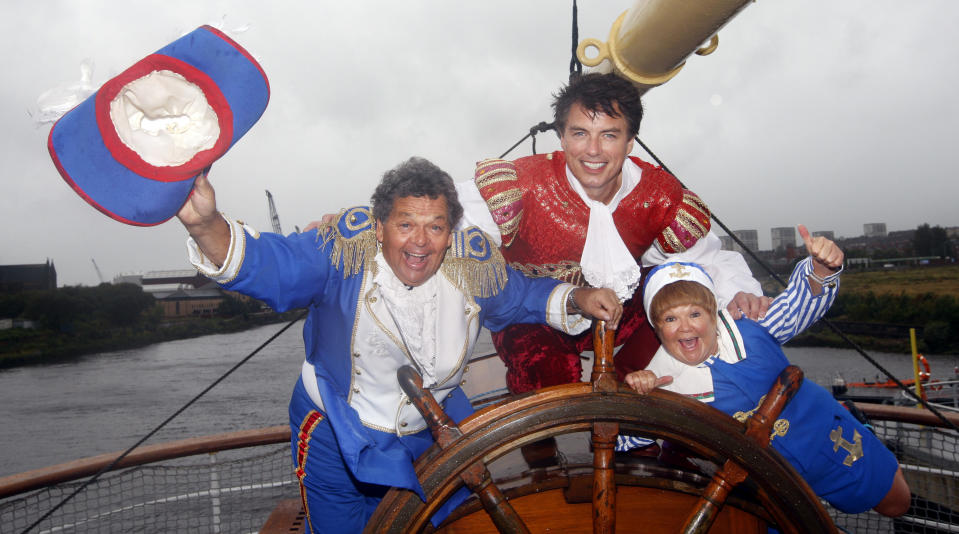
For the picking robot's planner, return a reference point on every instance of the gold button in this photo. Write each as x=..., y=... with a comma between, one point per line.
x=372, y=299
x=403, y=424
x=356, y=354
x=463, y=383
x=467, y=311
x=356, y=390
x=466, y=369
x=359, y=372
x=408, y=401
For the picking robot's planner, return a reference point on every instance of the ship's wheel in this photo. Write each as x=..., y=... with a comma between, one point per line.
x=604, y=408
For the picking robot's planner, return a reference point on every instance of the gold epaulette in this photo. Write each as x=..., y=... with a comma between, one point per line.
x=353, y=236
x=474, y=264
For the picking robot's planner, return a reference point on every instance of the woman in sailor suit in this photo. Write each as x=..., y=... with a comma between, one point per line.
x=731, y=364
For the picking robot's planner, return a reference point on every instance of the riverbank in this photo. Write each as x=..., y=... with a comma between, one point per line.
x=829, y=339
x=42, y=346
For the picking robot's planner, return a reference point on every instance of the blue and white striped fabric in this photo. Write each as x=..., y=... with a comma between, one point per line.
x=796, y=308
x=625, y=442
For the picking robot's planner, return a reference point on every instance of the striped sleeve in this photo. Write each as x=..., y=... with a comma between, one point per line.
x=796, y=308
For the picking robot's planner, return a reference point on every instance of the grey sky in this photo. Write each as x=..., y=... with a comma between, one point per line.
x=827, y=113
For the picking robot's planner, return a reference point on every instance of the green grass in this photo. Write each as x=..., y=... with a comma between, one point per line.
x=938, y=280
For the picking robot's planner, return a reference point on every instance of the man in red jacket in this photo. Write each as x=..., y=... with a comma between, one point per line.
x=591, y=215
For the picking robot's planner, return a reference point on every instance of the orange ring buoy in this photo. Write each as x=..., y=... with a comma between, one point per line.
x=924, y=374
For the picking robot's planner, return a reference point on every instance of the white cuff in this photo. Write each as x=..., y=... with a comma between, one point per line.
x=827, y=281
x=234, y=258
x=556, y=315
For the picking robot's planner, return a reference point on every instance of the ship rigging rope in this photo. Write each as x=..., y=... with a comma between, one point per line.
x=113, y=464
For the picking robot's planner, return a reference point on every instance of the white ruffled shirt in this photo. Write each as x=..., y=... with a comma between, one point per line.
x=414, y=312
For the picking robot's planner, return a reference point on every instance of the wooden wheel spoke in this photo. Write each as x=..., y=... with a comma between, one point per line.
x=476, y=477
x=758, y=429
x=604, y=434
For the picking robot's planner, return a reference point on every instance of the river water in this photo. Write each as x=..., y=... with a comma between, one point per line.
x=106, y=402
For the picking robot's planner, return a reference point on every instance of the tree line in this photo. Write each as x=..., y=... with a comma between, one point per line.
x=933, y=317
x=75, y=320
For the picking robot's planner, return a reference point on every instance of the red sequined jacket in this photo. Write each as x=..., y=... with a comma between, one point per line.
x=543, y=221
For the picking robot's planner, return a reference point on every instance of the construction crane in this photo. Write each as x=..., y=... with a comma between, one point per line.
x=274, y=218
x=99, y=274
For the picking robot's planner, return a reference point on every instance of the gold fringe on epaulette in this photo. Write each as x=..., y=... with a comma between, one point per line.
x=482, y=279
x=352, y=252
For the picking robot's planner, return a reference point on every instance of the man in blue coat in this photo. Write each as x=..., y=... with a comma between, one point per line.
x=386, y=286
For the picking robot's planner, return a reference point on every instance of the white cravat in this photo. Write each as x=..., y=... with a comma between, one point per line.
x=606, y=262
x=415, y=314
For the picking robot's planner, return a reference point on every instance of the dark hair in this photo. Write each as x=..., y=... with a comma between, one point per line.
x=596, y=92
x=415, y=177
x=680, y=293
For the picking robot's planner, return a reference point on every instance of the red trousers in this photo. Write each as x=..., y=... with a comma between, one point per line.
x=537, y=356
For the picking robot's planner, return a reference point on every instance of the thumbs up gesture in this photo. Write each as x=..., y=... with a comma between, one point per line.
x=827, y=257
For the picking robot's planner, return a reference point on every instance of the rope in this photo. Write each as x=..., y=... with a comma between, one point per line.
x=539, y=128
x=825, y=321
x=113, y=464
x=575, y=66
x=575, y=69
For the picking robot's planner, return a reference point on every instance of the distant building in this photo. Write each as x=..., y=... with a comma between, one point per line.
x=727, y=242
x=161, y=283
x=749, y=238
x=874, y=230
x=17, y=278
x=784, y=237
x=828, y=234
x=191, y=302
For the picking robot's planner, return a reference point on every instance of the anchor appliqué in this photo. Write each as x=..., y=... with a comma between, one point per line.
x=854, y=448
x=780, y=427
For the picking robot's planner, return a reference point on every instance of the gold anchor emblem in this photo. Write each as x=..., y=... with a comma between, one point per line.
x=854, y=448
x=780, y=427
x=679, y=271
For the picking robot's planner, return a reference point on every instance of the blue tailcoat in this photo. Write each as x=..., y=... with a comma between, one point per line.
x=328, y=271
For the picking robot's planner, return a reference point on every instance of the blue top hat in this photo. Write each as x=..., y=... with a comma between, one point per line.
x=134, y=148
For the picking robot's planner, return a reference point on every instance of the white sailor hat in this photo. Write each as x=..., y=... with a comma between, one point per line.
x=667, y=273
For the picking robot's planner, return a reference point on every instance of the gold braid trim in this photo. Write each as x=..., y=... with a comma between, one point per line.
x=507, y=228
x=478, y=272
x=689, y=216
x=566, y=271
x=494, y=171
x=353, y=252
x=672, y=241
x=693, y=200
x=691, y=221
